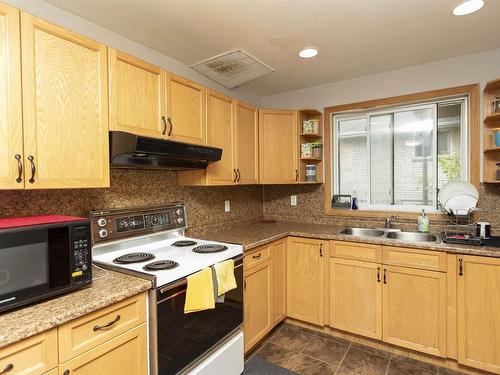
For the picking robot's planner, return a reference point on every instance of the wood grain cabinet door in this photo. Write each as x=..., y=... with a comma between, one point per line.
x=278, y=146
x=136, y=96
x=11, y=128
x=65, y=107
x=186, y=108
x=414, y=309
x=258, y=303
x=356, y=297
x=220, y=133
x=306, y=279
x=278, y=253
x=478, y=304
x=246, y=143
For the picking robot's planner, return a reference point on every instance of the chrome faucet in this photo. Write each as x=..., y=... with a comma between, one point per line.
x=390, y=220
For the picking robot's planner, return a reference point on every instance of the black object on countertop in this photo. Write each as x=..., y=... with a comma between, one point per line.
x=493, y=241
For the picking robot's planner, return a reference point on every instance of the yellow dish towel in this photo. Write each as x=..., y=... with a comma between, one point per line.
x=224, y=272
x=200, y=291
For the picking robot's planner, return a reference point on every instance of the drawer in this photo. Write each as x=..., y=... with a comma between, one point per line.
x=414, y=258
x=358, y=251
x=82, y=334
x=34, y=355
x=257, y=257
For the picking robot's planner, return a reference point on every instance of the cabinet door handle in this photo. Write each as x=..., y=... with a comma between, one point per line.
x=296, y=175
x=7, y=369
x=107, y=325
x=164, y=131
x=460, y=267
x=385, y=275
x=235, y=175
x=19, y=178
x=257, y=256
x=171, y=126
x=244, y=284
x=321, y=250
x=378, y=274
x=33, y=168
x=238, y=174
x=66, y=372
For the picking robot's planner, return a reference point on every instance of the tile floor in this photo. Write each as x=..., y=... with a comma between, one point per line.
x=308, y=352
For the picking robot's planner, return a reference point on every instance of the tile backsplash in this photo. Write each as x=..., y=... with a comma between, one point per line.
x=205, y=205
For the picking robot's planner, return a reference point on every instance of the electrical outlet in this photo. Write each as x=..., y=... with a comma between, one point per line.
x=227, y=206
x=293, y=200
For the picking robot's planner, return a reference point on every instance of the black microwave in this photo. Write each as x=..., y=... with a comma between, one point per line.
x=42, y=256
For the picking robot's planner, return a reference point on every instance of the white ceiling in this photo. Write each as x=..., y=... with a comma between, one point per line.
x=354, y=37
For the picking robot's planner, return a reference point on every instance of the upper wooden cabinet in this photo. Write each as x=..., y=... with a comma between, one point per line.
x=186, y=110
x=65, y=107
x=136, y=96
x=306, y=279
x=246, y=143
x=278, y=146
x=11, y=131
x=478, y=303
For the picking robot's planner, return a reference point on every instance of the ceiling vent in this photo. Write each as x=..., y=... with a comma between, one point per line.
x=232, y=69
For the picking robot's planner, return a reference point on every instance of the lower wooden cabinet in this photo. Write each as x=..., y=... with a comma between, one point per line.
x=306, y=279
x=478, y=303
x=356, y=297
x=414, y=309
x=125, y=355
x=278, y=253
x=258, y=292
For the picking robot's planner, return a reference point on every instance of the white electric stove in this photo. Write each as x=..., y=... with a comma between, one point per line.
x=150, y=242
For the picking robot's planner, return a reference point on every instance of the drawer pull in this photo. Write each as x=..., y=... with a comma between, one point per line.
x=257, y=256
x=97, y=328
x=7, y=369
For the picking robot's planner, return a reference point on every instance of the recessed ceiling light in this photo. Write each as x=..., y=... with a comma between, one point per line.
x=307, y=53
x=468, y=7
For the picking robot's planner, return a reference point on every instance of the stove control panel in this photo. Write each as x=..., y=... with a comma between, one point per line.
x=116, y=224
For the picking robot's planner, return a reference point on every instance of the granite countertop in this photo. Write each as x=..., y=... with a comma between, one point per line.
x=108, y=287
x=256, y=234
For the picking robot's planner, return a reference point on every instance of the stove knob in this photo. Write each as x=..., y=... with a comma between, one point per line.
x=103, y=233
x=179, y=212
x=101, y=222
x=180, y=220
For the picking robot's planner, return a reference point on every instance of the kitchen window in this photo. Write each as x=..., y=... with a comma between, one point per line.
x=397, y=158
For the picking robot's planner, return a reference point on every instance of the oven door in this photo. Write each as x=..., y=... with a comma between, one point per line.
x=34, y=264
x=181, y=340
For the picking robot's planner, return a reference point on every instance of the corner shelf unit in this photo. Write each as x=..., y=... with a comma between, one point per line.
x=491, y=153
x=310, y=114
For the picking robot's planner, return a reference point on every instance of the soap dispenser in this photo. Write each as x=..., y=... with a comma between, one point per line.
x=423, y=222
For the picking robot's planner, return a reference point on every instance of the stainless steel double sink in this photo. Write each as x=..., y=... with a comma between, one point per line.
x=391, y=234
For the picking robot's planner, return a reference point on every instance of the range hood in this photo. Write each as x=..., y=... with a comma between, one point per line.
x=133, y=151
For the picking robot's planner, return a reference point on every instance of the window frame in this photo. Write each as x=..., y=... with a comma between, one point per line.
x=472, y=114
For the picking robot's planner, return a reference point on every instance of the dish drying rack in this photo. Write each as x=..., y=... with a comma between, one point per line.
x=462, y=228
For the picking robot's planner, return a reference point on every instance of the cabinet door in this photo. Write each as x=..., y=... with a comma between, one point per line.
x=11, y=130
x=136, y=96
x=65, y=107
x=220, y=134
x=186, y=106
x=258, y=303
x=356, y=297
x=414, y=309
x=306, y=280
x=278, y=146
x=478, y=302
x=124, y=355
x=246, y=143
x=278, y=251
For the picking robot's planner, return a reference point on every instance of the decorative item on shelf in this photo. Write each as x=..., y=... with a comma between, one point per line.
x=310, y=173
x=496, y=105
x=305, y=150
x=316, y=149
x=315, y=126
x=341, y=201
x=496, y=137
x=307, y=127
x=498, y=171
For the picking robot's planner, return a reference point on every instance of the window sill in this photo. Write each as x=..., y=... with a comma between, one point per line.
x=378, y=214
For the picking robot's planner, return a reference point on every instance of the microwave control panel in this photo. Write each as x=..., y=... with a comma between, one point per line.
x=81, y=266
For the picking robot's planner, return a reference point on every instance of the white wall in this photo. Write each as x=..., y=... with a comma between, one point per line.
x=72, y=22
x=476, y=68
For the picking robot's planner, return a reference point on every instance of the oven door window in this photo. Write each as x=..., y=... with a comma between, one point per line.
x=33, y=263
x=183, y=338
